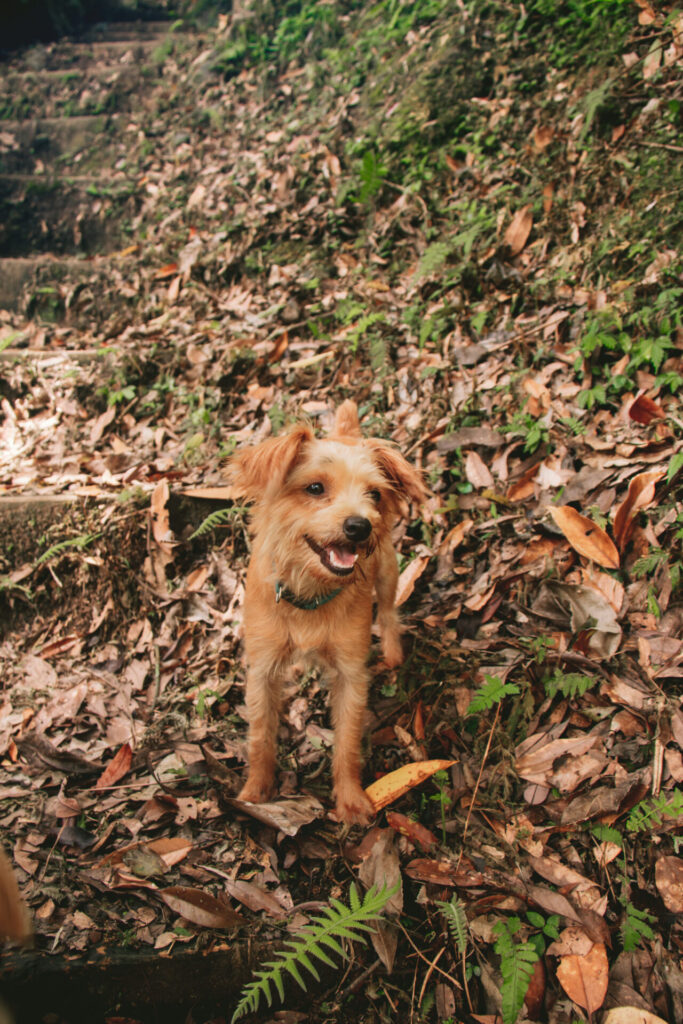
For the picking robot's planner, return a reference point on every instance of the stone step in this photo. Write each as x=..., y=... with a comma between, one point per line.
x=124, y=30
x=65, y=216
x=69, y=54
x=103, y=89
x=39, y=285
x=75, y=142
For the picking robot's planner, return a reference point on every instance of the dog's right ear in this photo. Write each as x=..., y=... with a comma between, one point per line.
x=346, y=421
x=252, y=470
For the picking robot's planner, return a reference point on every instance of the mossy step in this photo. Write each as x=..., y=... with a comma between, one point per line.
x=34, y=283
x=65, y=216
x=70, y=54
x=81, y=91
x=124, y=30
x=55, y=138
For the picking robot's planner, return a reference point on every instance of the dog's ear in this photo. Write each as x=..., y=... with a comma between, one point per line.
x=346, y=421
x=253, y=469
x=404, y=479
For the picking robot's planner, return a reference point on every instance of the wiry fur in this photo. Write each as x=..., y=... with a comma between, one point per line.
x=275, y=475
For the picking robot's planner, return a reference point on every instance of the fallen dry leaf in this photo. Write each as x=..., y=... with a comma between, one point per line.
x=585, y=536
x=644, y=409
x=117, y=767
x=631, y=1015
x=161, y=530
x=640, y=494
x=411, y=829
x=255, y=897
x=285, y=815
x=518, y=230
x=585, y=978
x=392, y=786
x=409, y=577
x=477, y=472
x=669, y=881
x=200, y=908
x=437, y=872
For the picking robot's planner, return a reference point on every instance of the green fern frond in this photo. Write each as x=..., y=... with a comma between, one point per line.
x=517, y=963
x=218, y=518
x=433, y=259
x=336, y=922
x=651, y=813
x=63, y=545
x=456, y=919
x=635, y=927
x=490, y=694
x=569, y=684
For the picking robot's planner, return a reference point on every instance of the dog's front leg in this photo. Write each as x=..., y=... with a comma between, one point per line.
x=348, y=691
x=263, y=696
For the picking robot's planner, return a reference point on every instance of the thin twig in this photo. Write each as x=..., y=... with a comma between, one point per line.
x=476, y=787
x=428, y=962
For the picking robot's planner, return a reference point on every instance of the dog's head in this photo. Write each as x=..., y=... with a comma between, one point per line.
x=323, y=504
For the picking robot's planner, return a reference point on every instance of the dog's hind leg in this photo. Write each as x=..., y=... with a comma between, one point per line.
x=348, y=690
x=387, y=616
x=263, y=696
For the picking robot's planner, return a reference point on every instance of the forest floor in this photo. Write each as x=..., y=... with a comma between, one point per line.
x=467, y=217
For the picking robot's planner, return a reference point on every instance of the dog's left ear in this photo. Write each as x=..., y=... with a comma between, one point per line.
x=404, y=479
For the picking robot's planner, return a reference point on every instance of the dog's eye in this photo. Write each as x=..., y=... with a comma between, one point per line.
x=376, y=497
x=315, y=488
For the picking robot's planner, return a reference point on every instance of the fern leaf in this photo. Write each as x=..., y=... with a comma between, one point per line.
x=338, y=922
x=291, y=966
x=491, y=693
x=456, y=919
x=635, y=927
x=74, y=542
x=218, y=518
x=517, y=962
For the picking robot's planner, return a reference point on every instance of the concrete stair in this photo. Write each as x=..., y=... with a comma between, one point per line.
x=70, y=114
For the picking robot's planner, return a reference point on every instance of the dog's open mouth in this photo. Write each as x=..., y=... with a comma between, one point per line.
x=340, y=557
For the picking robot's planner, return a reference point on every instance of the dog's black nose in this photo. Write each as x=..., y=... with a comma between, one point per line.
x=357, y=528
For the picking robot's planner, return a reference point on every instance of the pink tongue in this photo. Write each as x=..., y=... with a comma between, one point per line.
x=341, y=557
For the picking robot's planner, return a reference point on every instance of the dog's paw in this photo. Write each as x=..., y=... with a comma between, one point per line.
x=256, y=791
x=392, y=649
x=354, y=806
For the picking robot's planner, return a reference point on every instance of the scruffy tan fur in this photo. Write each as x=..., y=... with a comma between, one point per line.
x=297, y=536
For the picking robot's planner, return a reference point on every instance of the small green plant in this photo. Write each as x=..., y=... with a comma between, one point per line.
x=548, y=928
x=649, y=563
x=635, y=926
x=491, y=693
x=372, y=174
x=652, y=812
x=317, y=939
x=675, y=466
x=569, y=684
x=443, y=798
x=538, y=647
x=456, y=919
x=118, y=393
x=517, y=962
x=535, y=432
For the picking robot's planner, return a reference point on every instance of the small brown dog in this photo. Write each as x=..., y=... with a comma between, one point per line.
x=322, y=521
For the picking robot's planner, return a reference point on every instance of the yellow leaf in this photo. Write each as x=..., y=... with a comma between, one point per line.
x=585, y=536
x=390, y=787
